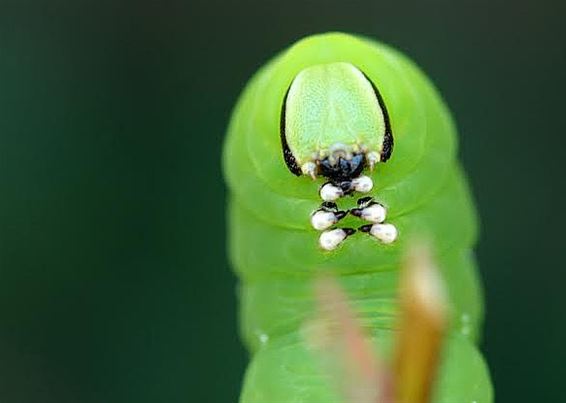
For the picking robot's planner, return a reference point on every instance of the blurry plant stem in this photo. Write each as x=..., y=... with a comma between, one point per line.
x=363, y=376
x=422, y=326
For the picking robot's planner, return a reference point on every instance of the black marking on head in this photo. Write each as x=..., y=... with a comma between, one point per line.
x=342, y=171
x=288, y=156
x=388, y=135
x=387, y=147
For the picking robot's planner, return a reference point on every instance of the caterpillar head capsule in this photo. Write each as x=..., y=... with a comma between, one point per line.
x=334, y=124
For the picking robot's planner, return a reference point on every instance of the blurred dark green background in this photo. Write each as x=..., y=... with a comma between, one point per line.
x=114, y=284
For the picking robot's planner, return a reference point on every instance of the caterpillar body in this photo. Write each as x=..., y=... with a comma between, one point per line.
x=369, y=127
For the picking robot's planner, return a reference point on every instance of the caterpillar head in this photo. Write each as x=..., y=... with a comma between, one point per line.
x=334, y=124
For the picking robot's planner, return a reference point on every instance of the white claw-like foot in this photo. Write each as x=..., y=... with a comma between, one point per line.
x=369, y=210
x=329, y=240
x=330, y=193
x=362, y=184
x=386, y=233
x=325, y=218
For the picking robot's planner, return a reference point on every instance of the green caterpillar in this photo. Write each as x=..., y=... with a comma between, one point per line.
x=369, y=127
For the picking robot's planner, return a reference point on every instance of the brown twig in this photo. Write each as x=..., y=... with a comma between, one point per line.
x=423, y=321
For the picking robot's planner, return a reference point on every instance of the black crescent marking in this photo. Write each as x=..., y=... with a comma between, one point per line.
x=288, y=156
x=388, y=135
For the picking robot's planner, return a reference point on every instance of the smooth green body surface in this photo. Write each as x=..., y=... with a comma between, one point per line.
x=275, y=251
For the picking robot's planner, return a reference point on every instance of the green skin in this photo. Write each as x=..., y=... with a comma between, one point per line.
x=275, y=250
